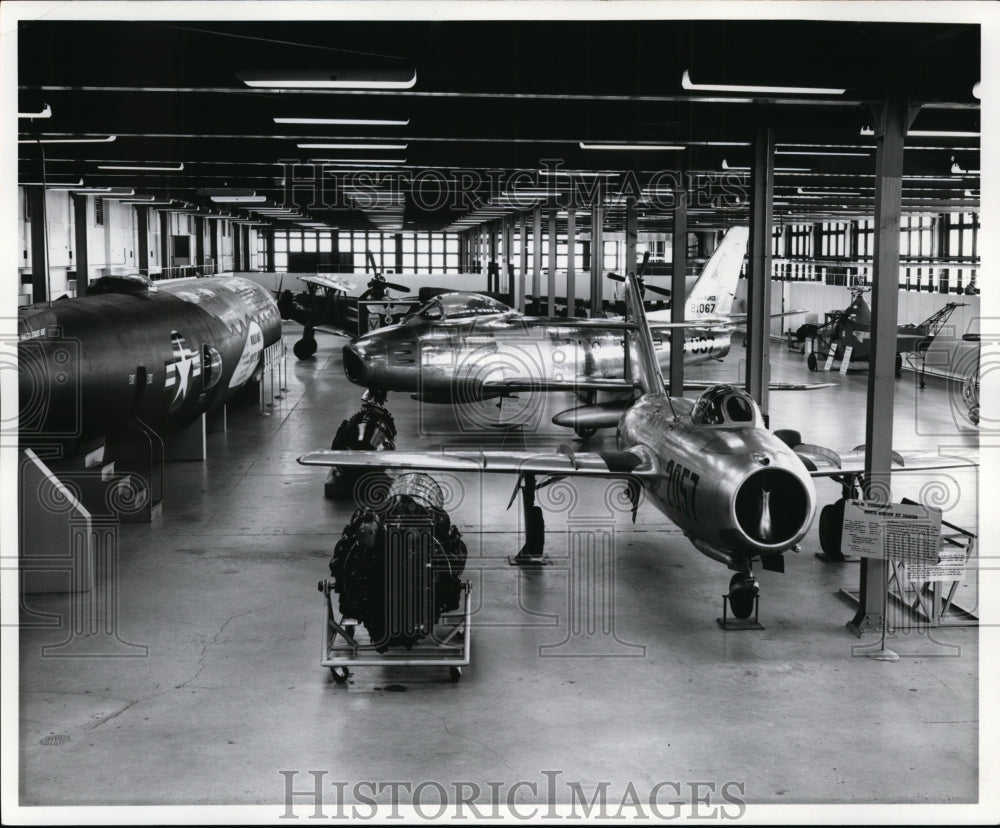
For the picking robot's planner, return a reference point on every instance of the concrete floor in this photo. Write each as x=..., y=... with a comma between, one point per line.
x=636, y=687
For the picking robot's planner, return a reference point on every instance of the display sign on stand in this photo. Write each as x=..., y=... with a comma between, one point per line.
x=902, y=532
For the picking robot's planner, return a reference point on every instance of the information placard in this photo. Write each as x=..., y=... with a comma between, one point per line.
x=898, y=531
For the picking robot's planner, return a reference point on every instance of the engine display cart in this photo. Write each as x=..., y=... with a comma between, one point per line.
x=346, y=643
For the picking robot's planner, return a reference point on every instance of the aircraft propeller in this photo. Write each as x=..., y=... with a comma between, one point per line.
x=643, y=287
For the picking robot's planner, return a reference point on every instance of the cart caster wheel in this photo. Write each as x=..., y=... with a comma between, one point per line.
x=455, y=673
x=349, y=629
x=340, y=674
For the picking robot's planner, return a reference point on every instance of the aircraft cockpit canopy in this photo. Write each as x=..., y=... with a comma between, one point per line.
x=725, y=405
x=457, y=306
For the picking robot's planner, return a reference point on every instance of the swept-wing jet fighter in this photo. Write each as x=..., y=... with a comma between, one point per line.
x=739, y=492
x=464, y=347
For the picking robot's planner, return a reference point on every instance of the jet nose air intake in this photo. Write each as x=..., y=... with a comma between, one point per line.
x=772, y=506
x=354, y=364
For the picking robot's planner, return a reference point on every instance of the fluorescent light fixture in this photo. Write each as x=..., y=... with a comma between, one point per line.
x=239, y=199
x=930, y=178
x=629, y=147
x=143, y=168
x=45, y=113
x=336, y=79
x=344, y=121
x=822, y=152
x=397, y=147
x=580, y=173
x=941, y=133
x=804, y=192
x=148, y=202
x=725, y=166
x=107, y=139
x=356, y=162
x=930, y=133
x=687, y=83
x=53, y=185
x=957, y=170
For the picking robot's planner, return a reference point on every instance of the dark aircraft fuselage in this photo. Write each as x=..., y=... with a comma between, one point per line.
x=162, y=355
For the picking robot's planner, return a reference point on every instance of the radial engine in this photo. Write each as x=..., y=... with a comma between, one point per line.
x=397, y=568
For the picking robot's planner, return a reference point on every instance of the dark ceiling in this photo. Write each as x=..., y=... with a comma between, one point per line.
x=492, y=98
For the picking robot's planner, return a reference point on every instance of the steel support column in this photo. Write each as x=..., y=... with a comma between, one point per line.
x=80, y=244
x=199, y=243
x=142, y=231
x=493, y=274
x=552, y=264
x=507, y=250
x=890, y=130
x=596, y=260
x=571, y=262
x=269, y=247
x=523, y=270
x=39, y=245
x=215, y=227
x=631, y=234
x=759, y=285
x=165, y=241
x=536, y=260
x=678, y=279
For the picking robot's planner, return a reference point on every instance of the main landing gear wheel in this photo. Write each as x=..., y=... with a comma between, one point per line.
x=811, y=362
x=340, y=674
x=304, y=348
x=899, y=365
x=831, y=522
x=585, y=432
x=743, y=591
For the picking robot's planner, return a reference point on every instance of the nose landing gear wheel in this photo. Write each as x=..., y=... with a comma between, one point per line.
x=585, y=432
x=743, y=591
x=811, y=362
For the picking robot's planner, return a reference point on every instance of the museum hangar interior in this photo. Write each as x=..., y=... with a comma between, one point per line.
x=242, y=244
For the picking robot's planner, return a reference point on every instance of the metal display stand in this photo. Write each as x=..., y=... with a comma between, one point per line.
x=928, y=591
x=932, y=600
x=734, y=624
x=346, y=643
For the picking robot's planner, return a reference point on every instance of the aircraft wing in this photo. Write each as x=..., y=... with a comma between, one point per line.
x=335, y=331
x=329, y=282
x=822, y=462
x=564, y=463
x=516, y=385
x=701, y=385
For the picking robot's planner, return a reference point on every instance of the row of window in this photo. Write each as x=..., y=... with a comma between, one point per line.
x=945, y=235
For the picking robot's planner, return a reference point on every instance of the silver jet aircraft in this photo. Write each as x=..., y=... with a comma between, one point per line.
x=464, y=347
x=737, y=491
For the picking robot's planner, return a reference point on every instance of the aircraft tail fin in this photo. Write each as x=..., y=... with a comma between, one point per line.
x=715, y=290
x=646, y=367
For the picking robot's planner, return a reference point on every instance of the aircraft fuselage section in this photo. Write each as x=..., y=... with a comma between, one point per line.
x=453, y=361
x=163, y=356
